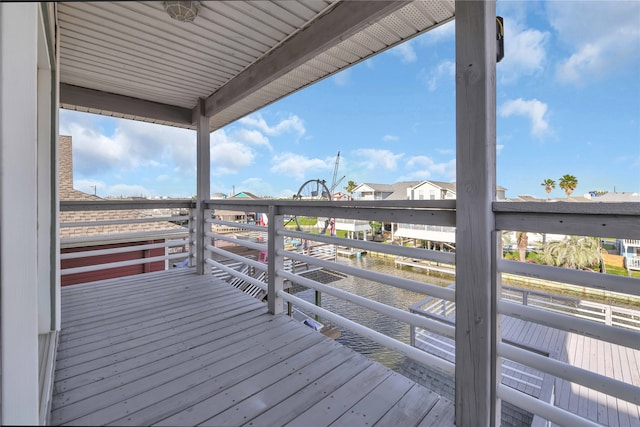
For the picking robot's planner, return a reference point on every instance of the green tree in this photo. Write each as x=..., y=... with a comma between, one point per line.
x=581, y=253
x=351, y=185
x=568, y=183
x=548, y=184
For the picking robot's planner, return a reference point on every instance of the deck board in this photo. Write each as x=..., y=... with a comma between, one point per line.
x=174, y=348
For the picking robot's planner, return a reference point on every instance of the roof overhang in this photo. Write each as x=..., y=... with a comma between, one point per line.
x=131, y=60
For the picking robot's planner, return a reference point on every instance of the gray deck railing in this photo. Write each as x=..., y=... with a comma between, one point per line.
x=611, y=220
x=95, y=233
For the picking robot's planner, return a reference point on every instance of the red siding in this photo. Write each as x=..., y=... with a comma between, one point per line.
x=110, y=273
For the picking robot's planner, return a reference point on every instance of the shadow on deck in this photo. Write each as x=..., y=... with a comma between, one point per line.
x=175, y=348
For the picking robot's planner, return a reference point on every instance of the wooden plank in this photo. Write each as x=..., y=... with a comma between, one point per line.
x=144, y=391
x=278, y=391
x=442, y=414
x=170, y=349
x=418, y=400
x=79, y=331
x=112, y=336
x=377, y=403
x=108, y=297
x=172, y=398
x=70, y=358
x=108, y=309
x=67, y=371
x=249, y=384
x=284, y=412
x=242, y=339
x=337, y=403
x=144, y=312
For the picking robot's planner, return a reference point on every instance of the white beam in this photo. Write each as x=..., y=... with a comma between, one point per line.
x=18, y=213
x=476, y=278
x=344, y=20
x=121, y=105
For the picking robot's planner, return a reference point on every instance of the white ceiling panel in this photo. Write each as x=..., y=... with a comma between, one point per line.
x=130, y=59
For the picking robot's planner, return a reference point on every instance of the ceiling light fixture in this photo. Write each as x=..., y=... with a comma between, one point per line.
x=183, y=11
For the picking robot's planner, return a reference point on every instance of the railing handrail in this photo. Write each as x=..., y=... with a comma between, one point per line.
x=616, y=220
x=118, y=205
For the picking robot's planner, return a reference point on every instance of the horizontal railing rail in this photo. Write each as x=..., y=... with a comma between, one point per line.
x=590, y=320
x=113, y=236
x=315, y=254
x=275, y=250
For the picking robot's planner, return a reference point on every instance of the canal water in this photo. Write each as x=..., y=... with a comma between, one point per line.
x=389, y=295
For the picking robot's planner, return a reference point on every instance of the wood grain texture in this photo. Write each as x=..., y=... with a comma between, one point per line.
x=179, y=348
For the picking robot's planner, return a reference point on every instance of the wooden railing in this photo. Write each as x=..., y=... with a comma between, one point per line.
x=106, y=239
x=272, y=255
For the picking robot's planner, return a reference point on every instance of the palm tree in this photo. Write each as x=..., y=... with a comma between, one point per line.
x=581, y=253
x=548, y=184
x=351, y=185
x=568, y=183
x=523, y=241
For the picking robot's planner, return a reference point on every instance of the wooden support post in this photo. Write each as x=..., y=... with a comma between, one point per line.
x=476, y=278
x=203, y=184
x=275, y=262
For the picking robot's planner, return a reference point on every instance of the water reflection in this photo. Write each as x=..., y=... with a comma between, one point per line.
x=389, y=295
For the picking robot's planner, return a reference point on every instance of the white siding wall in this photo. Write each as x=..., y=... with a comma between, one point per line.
x=25, y=205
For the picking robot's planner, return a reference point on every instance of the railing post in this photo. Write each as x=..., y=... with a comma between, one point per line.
x=275, y=262
x=203, y=176
x=477, y=281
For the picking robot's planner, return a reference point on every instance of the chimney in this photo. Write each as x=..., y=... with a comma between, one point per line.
x=65, y=164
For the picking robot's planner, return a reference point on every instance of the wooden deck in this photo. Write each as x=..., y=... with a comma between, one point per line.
x=174, y=348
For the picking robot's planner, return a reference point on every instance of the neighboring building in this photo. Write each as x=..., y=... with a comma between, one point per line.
x=435, y=236
x=369, y=191
x=629, y=249
x=90, y=238
x=238, y=216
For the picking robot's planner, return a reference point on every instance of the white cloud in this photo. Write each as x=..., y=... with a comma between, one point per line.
x=297, y=166
x=603, y=37
x=373, y=159
x=405, y=51
x=427, y=167
x=130, y=145
x=533, y=109
x=291, y=124
x=525, y=51
x=390, y=138
x=252, y=137
x=499, y=148
x=431, y=78
x=227, y=155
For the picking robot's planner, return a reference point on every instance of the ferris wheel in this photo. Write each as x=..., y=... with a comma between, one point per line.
x=314, y=189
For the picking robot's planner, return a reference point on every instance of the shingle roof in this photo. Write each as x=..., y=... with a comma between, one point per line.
x=67, y=192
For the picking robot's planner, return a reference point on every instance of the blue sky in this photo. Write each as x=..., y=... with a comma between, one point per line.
x=568, y=101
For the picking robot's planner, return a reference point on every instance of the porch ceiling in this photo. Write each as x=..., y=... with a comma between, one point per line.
x=131, y=60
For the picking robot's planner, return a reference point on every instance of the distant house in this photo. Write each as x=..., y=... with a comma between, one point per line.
x=369, y=191
x=238, y=216
x=628, y=248
x=434, y=235
x=97, y=237
x=432, y=190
